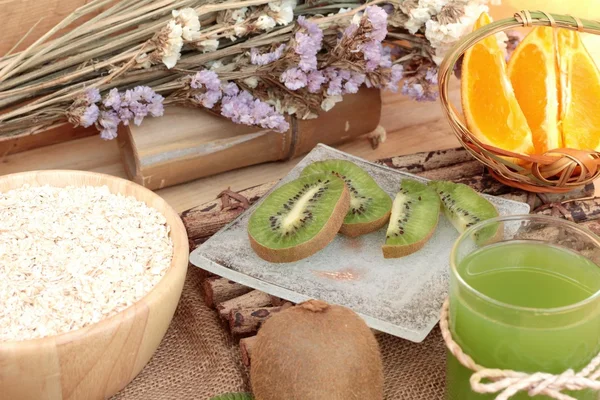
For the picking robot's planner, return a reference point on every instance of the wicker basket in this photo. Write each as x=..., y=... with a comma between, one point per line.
x=556, y=171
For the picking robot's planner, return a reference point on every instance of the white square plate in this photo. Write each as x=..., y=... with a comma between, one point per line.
x=400, y=296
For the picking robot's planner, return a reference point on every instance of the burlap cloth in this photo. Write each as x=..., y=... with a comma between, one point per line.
x=198, y=359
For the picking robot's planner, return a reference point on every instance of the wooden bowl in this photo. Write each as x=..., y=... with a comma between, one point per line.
x=97, y=361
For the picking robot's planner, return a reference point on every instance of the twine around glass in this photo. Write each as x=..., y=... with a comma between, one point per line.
x=556, y=171
x=507, y=383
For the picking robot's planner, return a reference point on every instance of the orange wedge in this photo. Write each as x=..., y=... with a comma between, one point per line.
x=488, y=100
x=532, y=72
x=580, y=93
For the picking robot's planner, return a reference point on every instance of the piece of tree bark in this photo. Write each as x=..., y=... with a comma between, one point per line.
x=246, y=321
x=426, y=161
x=577, y=210
x=217, y=290
x=205, y=220
x=246, y=348
x=253, y=299
x=454, y=172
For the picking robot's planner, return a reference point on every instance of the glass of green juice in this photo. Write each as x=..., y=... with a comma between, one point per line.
x=524, y=296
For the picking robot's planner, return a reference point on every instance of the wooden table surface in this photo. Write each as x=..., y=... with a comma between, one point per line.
x=399, y=115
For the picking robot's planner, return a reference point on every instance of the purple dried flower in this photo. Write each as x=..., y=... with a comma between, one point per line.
x=350, y=30
x=372, y=54
x=294, y=79
x=386, y=57
x=230, y=89
x=156, y=108
x=135, y=104
x=397, y=73
x=418, y=92
x=209, y=98
x=112, y=99
x=92, y=95
x=315, y=80
x=263, y=59
x=260, y=110
x=244, y=109
x=206, y=78
x=432, y=76
x=90, y=115
x=308, y=44
x=275, y=122
x=125, y=114
x=109, y=121
x=335, y=81
x=312, y=28
x=378, y=19
x=354, y=82
x=144, y=93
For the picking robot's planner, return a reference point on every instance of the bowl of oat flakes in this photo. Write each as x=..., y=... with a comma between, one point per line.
x=91, y=271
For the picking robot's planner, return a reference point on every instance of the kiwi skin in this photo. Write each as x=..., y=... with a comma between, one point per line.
x=401, y=251
x=316, y=351
x=317, y=243
x=356, y=230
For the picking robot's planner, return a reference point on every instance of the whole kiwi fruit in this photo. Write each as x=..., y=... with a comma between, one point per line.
x=316, y=351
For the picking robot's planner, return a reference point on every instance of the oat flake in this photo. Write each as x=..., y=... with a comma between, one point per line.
x=72, y=256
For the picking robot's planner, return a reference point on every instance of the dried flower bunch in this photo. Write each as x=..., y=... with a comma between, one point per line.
x=253, y=61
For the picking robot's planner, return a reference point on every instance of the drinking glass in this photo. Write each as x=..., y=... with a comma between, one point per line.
x=524, y=296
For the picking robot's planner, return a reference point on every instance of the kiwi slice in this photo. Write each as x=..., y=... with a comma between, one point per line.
x=299, y=218
x=464, y=207
x=415, y=215
x=370, y=206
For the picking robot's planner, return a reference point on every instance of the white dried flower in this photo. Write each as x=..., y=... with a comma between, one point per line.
x=252, y=82
x=265, y=23
x=443, y=36
x=283, y=11
x=239, y=15
x=330, y=101
x=433, y=6
x=171, y=48
x=356, y=18
x=143, y=61
x=240, y=30
x=188, y=19
x=417, y=17
x=208, y=46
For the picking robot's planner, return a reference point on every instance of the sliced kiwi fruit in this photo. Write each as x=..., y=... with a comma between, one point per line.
x=464, y=207
x=370, y=206
x=316, y=351
x=415, y=215
x=299, y=218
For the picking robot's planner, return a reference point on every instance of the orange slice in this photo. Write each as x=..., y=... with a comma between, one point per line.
x=580, y=93
x=489, y=103
x=532, y=72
